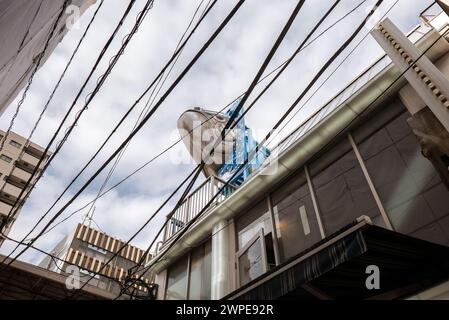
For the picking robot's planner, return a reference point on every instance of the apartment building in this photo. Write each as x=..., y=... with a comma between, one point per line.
x=359, y=188
x=89, y=249
x=18, y=160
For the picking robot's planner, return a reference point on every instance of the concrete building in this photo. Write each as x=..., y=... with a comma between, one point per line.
x=360, y=188
x=89, y=249
x=23, y=281
x=25, y=27
x=18, y=160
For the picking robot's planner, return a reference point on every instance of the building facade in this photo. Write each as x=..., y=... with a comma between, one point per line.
x=25, y=28
x=361, y=185
x=88, y=250
x=18, y=160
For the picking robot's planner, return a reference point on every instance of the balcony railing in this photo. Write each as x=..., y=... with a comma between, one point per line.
x=30, y=159
x=195, y=203
x=20, y=174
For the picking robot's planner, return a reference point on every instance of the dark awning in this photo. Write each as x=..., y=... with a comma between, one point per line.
x=335, y=268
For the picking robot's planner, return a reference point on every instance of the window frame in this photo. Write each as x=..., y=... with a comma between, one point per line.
x=188, y=267
x=15, y=144
x=6, y=158
x=259, y=236
x=187, y=276
x=265, y=216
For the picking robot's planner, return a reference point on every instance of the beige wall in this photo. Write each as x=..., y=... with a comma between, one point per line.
x=15, y=150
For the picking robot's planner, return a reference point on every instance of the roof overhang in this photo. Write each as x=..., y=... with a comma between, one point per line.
x=23, y=281
x=336, y=268
x=300, y=152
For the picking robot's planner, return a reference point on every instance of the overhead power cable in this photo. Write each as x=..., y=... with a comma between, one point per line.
x=179, y=140
x=256, y=150
x=75, y=51
x=21, y=197
x=253, y=84
x=31, y=78
x=374, y=101
x=145, y=120
x=199, y=169
x=326, y=80
x=89, y=98
x=122, y=120
x=157, y=236
x=153, y=95
x=69, y=63
x=283, y=68
x=208, y=119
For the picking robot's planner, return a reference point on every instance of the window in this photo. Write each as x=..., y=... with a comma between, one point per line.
x=190, y=277
x=15, y=144
x=200, y=273
x=342, y=191
x=95, y=248
x=297, y=227
x=252, y=260
x=409, y=186
x=250, y=223
x=177, y=281
x=6, y=158
x=253, y=226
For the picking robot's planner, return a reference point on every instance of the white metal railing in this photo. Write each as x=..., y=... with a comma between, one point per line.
x=195, y=203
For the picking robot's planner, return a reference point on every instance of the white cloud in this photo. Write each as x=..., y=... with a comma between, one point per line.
x=223, y=73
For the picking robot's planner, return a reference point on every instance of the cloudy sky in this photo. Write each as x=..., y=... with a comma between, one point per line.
x=222, y=74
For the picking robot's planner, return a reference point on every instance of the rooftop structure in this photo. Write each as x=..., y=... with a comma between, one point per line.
x=89, y=250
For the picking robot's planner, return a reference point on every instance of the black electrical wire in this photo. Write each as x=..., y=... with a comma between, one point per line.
x=171, y=146
x=256, y=150
x=155, y=92
x=142, y=167
x=75, y=51
x=252, y=86
x=90, y=97
x=19, y=199
x=325, y=81
x=285, y=65
x=31, y=78
x=147, y=117
x=69, y=63
x=122, y=120
x=413, y=64
x=179, y=140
